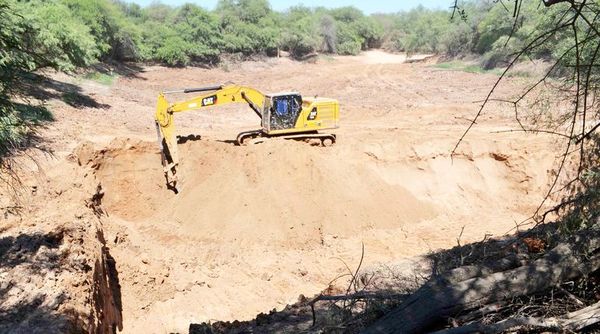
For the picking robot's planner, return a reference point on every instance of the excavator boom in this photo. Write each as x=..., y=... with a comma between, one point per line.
x=217, y=95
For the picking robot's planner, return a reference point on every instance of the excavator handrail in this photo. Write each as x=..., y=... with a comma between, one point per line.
x=193, y=90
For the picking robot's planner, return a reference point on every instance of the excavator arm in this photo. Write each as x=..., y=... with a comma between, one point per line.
x=213, y=96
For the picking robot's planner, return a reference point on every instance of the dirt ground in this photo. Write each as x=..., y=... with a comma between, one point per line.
x=255, y=226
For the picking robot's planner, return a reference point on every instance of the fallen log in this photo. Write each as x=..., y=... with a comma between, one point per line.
x=352, y=296
x=308, y=56
x=502, y=326
x=358, y=295
x=433, y=303
x=463, y=273
x=483, y=311
x=583, y=318
x=572, y=322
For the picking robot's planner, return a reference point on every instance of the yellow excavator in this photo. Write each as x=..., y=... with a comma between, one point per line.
x=287, y=115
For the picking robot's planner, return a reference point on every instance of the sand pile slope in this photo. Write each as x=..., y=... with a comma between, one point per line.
x=56, y=273
x=275, y=191
x=251, y=222
x=292, y=191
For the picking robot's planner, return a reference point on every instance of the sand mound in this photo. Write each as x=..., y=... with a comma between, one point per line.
x=274, y=191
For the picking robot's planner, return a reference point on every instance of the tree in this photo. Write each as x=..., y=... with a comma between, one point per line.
x=248, y=26
x=116, y=37
x=571, y=34
x=35, y=35
x=201, y=29
x=300, y=37
x=328, y=32
x=370, y=31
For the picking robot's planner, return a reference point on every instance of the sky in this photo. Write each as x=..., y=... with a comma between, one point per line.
x=367, y=6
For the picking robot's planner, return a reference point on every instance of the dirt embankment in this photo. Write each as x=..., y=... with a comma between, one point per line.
x=262, y=220
x=56, y=271
x=253, y=227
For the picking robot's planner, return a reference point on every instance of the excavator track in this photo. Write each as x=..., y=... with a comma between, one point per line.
x=327, y=139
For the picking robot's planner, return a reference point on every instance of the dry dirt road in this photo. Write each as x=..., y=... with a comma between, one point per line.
x=253, y=227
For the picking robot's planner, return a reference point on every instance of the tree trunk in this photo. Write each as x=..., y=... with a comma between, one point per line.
x=574, y=321
x=435, y=302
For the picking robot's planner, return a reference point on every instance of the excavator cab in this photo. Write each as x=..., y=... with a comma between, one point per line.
x=281, y=111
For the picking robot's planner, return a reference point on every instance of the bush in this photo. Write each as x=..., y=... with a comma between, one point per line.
x=348, y=40
x=200, y=28
x=248, y=26
x=174, y=51
x=115, y=36
x=116, y=30
x=458, y=41
x=346, y=14
x=35, y=35
x=370, y=31
x=349, y=47
x=300, y=38
x=500, y=53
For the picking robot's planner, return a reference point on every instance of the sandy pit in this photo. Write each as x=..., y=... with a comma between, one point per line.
x=253, y=227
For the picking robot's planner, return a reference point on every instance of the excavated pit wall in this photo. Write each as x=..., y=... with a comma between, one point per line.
x=253, y=227
x=57, y=274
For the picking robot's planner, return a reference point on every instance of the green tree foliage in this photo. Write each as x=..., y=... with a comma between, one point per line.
x=300, y=31
x=348, y=40
x=344, y=30
x=487, y=30
x=248, y=26
x=179, y=36
x=35, y=35
x=115, y=30
x=354, y=30
x=419, y=30
x=116, y=37
x=188, y=34
x=370, y=32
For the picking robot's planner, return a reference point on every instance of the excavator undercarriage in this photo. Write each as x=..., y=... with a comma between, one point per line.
x=243, y=138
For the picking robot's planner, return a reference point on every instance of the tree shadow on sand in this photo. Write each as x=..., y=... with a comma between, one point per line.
x=31, y=303
x=44, y=88
x=128, y=70
x=474, y=276
x=18, y=250
x=22, y=309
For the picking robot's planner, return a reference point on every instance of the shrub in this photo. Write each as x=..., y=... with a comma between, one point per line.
x=300, y=38
x=35, y=35
x=248, y=26
x=174, y=51
x=115, y=36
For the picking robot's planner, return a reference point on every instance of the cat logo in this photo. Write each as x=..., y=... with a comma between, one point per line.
x=209, y=101
x=312, y=115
